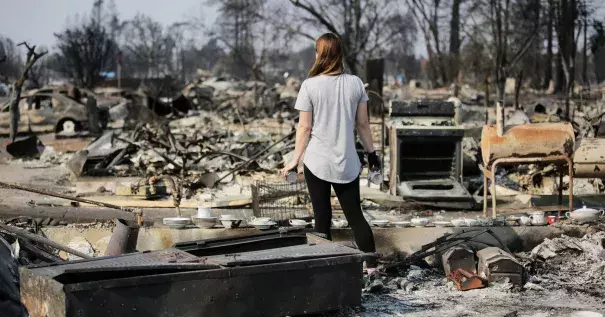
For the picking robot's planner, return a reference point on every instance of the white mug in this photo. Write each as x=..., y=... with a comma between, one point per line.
x=204, y=212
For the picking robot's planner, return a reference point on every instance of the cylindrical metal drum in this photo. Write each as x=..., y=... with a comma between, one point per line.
x=589, y=158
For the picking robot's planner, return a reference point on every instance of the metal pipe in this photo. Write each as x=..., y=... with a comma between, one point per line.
x=53, y=194
x=123, y=238
x=37, y=238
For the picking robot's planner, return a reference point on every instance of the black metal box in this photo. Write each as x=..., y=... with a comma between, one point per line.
x=281, y=281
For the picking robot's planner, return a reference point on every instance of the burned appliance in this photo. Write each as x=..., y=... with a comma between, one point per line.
x=278, y=273
x=426, y=153
x=588, y=158
x=458, y=257
x=496, y=264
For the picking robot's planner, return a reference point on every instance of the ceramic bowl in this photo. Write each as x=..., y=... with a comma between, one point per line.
x=176, y=222
x=228, y=217
x=485, y=222
x=231, y=223
x=402, y=224
x=420, y=222
x=204, y=222
x=458, y=222
x=339, y=223
x=442, y=223
x=263, y=225
x=525, y=221
x=382, y=223
x=472, y=222
x=582, y=217
x=511, y=222
x=298, y=223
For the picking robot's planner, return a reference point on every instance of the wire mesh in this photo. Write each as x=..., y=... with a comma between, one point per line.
x=281, y=201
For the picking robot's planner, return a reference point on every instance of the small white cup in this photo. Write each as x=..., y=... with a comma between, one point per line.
x=204, y=212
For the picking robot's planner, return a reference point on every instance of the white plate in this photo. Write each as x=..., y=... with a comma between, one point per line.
x=442, y=224
x=420, y=222
x=381, y=223
x=402, y=224
x=204, y=222
x=263, y=225
x=458, y=222
x=176, y=222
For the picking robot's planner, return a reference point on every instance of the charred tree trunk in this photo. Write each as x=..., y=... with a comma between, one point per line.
x=584, y=52
x=560, y=75
x=93, y=116
x=567, y=14
x=549, y=40
x=487, y=83
x=518, y=85
x=455, y=38
x=455, y=27
x=31, y=59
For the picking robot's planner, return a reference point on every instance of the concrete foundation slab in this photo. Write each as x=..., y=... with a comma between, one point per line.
x=388, y=240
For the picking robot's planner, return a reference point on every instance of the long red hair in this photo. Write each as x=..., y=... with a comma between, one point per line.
x=329, y=56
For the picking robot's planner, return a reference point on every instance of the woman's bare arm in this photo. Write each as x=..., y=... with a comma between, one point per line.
x=302, y=134
x=363, y=127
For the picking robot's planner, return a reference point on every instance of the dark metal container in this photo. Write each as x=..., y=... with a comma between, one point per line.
x=280, y=280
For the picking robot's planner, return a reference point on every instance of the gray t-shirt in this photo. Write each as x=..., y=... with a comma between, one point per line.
x=331, y=153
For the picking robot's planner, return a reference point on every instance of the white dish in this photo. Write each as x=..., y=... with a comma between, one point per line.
x=458, y=222
x=298, y=223
x=582, y=217
x=231, y=223
x=525, y=221
x=472, y=222
x=260, y=219
x=420, y=222
x=176, y=222
x=402, y=224
x=340, y=223
x=204, y=222
x=263, y=225
x=382, y=223
x=442, y=224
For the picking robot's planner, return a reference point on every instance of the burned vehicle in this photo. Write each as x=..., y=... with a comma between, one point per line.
x=50, y=112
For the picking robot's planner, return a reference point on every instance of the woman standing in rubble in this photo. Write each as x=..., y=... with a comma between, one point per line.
x=332, y=104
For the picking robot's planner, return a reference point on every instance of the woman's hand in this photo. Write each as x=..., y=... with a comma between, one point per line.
x=373, y=161
x=290, y=166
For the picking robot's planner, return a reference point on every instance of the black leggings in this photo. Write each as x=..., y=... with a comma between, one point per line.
x=349, y=198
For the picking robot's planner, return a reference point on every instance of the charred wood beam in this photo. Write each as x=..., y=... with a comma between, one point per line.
x=34, y=237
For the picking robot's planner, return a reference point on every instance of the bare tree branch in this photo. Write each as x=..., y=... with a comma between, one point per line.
x=31, y=59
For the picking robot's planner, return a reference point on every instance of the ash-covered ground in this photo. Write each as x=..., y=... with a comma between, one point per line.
x=564, y=278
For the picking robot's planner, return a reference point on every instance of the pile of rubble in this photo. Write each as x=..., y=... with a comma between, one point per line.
x=201, y=149
x=576, y=265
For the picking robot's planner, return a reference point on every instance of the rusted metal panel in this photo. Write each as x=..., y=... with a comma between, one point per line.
x=465, y=280
x=589, y=158
x=527, y=140
x=41, y=296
